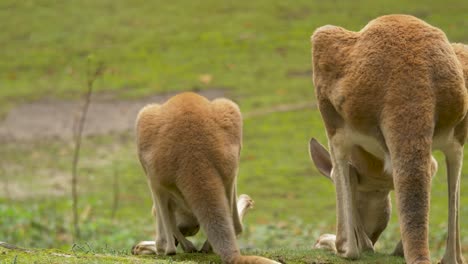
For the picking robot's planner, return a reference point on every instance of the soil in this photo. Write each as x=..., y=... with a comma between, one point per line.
x=55, y=119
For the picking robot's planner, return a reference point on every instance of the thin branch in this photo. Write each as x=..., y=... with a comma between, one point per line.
x=91, y=77
x=13, y=247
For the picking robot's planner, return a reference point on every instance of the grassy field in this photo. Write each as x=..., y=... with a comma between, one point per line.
x=257, y=52
x=290, y=256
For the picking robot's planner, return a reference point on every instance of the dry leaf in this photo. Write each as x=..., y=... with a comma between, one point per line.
x=205, y=78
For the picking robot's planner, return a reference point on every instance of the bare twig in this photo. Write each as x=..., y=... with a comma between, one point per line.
x=91, y=77
x=13, y=247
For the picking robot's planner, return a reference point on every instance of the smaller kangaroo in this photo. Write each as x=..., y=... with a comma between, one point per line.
x=189, y=149
x=149, y=247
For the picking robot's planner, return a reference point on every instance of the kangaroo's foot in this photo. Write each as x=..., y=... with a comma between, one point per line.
x=144, y=248
x=327, y=242
x=244, y=203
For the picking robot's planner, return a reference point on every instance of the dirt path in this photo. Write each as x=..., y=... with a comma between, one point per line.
x=56, y=118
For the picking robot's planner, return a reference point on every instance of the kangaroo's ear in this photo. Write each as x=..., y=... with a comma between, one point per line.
x=320, y=157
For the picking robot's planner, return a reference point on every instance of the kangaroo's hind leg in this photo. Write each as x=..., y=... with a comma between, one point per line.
x=186, y=245
x=160, y=244
x=161, y=198
x=454, y=159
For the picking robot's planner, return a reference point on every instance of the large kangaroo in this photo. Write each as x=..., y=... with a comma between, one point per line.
x=189, y=148
x=388, y=95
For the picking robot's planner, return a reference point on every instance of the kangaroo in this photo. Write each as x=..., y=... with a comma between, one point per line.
x=372, y=202
x=189, y=149
x=388, y=95
x=183, y=221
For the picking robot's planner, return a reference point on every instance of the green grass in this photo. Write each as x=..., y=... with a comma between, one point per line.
x=257, y=51
x=290, y=256
x=249, y=47
x=294, y=205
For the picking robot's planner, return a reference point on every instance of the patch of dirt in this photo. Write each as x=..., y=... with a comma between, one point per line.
x=49, y=119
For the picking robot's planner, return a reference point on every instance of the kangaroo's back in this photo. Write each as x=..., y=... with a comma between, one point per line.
x=396, y=64
x=189, y=133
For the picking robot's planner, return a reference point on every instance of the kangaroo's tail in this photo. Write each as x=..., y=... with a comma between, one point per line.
x=206, y=195
x=253, y=260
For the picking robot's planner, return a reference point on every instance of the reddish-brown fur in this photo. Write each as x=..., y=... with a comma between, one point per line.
x=395, y=90
x=189, y=148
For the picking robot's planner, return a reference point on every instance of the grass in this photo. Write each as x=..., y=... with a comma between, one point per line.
x=291, y=256
x=257, y=51
x=249, y=47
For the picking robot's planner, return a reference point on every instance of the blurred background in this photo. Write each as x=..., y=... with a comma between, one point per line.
x=256, y=53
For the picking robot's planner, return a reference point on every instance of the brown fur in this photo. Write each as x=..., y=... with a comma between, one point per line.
x=189, y=148
x=394, y=91
x=372, y=191
x=462, y=54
